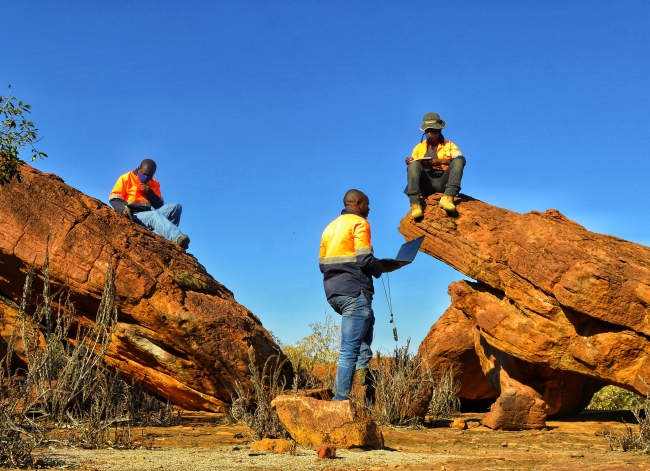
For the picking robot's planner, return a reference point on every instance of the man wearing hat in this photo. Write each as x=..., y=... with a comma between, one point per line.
x=435, y=166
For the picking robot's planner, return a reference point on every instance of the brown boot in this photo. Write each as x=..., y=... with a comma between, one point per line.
x=362, y=376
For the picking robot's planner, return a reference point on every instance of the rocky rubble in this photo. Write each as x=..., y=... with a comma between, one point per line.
x=555, y=311
x=180, y=331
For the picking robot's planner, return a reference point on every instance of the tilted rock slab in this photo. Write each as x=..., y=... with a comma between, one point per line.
x=549, y=293
x=179, y=330
x=312, y=422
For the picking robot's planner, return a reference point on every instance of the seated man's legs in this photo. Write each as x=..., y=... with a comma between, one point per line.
x=357, y=320
x=157, y=220
x=418, y=182
x=449, y=182
x=172, y=212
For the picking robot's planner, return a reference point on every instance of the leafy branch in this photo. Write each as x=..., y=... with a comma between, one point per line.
x=16, y=134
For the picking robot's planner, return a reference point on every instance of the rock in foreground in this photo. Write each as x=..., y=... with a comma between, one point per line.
x=312, y=422
x=179, y=330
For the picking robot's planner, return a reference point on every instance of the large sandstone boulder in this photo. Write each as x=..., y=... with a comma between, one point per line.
x=450, y=344
x=568, y=309
x=180, y=331
x=312, y=422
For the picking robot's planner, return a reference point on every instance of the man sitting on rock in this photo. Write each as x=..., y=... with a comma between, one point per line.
x=348, y=265
x=435, y=166
x=137, y=196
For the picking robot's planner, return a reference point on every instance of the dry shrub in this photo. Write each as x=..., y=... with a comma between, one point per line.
x=65, y=394
x=630, y=440
x=256, y=412
x=444, y=402
x=400, y=383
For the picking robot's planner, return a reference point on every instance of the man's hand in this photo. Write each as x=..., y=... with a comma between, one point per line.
x=145, y=189
x=127, y=213
x=409, y=160
x=389, y=268
x=439, y=162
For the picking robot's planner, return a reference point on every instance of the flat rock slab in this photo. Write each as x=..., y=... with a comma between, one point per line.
x=312, y=422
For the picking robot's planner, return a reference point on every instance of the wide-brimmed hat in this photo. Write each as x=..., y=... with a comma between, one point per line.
x=432, y=121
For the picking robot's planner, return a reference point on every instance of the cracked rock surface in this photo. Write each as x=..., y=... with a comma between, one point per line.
x=556, y=309
x=179, y=330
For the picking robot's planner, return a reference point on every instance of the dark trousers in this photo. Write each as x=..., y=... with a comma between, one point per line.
x=420, y=183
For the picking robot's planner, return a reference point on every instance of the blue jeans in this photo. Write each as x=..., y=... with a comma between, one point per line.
x=164, y=220
x=357, y=321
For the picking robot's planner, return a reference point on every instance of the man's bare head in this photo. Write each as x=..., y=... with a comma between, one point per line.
x=147, y=167
x=357, y=201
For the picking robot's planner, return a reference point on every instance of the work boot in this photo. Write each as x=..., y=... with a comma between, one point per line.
x=362, y=376
x=183, y=241
x=447, y=203
x=416, y=211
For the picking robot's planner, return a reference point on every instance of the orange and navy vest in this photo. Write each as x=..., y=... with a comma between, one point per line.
x=346, y=257
x=127, y=189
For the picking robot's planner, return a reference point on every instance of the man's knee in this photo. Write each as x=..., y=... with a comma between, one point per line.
x=176, y=207
x=457, y=162
x=414, y=168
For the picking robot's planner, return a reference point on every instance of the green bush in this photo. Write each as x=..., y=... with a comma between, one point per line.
x=320, y=347
x=612, y=398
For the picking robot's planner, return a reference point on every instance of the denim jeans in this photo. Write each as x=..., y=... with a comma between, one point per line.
x=420, y=182
x=164, y=220
x=357, y=321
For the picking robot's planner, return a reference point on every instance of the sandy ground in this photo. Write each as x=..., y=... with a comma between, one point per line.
x=202, y=442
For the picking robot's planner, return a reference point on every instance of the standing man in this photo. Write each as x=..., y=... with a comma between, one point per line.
x=348, y=265
x=136, y=195
x=435, y=166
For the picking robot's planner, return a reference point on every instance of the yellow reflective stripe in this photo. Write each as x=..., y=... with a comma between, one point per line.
x=114, y=196
x=339, y=259
x=364, y=251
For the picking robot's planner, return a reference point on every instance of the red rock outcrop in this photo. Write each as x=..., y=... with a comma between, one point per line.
x=568, y=309
x=179, y=330
x=312, y=422
x=450, y=343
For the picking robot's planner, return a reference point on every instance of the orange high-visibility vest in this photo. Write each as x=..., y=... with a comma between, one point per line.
x=448, y=150
x=127, y=188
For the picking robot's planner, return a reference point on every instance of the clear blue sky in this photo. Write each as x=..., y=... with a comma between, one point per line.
x=262, y=114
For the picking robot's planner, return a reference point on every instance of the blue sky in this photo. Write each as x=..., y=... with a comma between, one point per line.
x=262, y=114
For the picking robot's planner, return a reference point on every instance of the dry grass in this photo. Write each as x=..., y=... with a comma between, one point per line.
x=401, y=385
x=630, y=440
x=63, y=393
x=254, y=409
x=444, y=403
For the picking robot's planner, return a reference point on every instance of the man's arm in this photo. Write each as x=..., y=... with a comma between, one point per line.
x=153, y=198
x=364, y=251
x=116, y=198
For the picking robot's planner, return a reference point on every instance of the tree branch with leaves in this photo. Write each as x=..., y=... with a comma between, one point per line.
x=16, y=134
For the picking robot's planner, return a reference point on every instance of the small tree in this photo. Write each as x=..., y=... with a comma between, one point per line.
x=321, y=346
x=16, y=133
